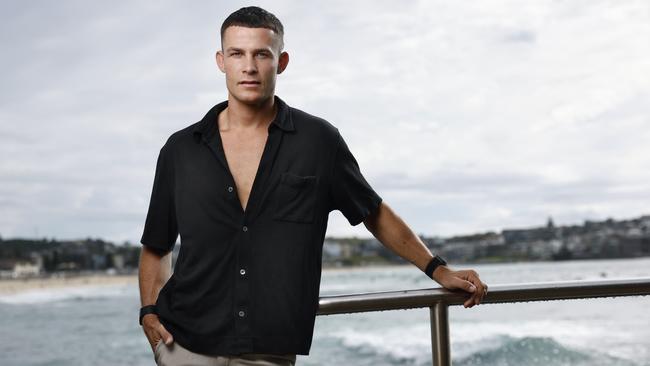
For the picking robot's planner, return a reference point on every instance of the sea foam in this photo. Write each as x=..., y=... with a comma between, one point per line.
x=68, y=293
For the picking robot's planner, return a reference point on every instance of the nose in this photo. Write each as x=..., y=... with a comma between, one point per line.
x=250, y=67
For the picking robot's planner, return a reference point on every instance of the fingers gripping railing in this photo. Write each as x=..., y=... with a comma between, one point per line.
x=438, y=300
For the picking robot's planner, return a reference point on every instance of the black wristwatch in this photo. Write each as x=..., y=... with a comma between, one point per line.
x=433, y=264
x=148, y=309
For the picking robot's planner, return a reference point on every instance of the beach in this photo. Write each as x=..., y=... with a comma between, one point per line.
x=15, y=286
x=19, y=285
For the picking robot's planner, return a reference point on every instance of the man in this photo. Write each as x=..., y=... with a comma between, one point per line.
x=249, y=189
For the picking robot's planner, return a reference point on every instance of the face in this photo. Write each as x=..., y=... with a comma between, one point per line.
x=251, y=60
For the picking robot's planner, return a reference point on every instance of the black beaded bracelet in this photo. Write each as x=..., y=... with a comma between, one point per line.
x=148, y=309
x=433, y=264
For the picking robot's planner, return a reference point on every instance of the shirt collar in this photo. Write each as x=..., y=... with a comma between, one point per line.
x=207, y=127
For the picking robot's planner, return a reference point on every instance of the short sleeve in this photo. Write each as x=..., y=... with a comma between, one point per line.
x=350, y=193
x=161, y=228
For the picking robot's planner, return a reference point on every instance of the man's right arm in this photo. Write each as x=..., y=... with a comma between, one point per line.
x=153, y=272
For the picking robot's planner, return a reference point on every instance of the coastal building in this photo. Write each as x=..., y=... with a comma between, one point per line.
x=26, y=269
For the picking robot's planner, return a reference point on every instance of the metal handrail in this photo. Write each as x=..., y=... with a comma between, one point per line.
x=439, y=299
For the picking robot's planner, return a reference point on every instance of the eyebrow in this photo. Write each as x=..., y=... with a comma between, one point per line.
x=231, y=49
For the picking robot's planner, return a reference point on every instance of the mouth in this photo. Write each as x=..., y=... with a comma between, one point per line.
x=249, y=82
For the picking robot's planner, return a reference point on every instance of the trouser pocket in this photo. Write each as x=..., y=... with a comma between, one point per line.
x=156, y=349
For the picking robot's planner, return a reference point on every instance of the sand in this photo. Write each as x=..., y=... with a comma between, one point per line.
x=14, y=286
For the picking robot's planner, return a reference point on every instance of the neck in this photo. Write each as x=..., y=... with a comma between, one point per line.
x=241, y=115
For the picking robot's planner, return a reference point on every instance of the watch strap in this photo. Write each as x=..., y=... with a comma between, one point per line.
x=433, y=264
x=148, y=309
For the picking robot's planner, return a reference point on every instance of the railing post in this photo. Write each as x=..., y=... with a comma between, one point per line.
x=440, y=346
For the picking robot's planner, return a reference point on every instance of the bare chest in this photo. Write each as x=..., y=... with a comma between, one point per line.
x=243, y=154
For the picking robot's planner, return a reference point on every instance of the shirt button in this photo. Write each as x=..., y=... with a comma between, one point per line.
x=230, y=188
x=242, y=271
x=245, y=228
x=241, y=313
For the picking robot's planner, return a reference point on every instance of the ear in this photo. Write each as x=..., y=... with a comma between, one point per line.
x=283, y=61
x=219, y=57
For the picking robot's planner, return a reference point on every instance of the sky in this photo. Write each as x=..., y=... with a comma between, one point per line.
x=464, y=116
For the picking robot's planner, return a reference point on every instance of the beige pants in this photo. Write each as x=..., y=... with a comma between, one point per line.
x=177, y=355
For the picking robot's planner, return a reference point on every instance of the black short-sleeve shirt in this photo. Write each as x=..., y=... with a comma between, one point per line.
x=247, y=281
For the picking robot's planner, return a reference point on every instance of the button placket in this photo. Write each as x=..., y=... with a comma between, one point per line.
x=243, y=292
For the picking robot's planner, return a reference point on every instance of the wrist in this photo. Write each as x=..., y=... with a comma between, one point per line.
x=433, y=267
x=148, y=309
x=439, y=272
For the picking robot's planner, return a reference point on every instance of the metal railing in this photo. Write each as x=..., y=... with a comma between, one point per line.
x=439, y=299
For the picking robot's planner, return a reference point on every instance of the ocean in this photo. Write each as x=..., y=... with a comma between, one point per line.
x=99, y=325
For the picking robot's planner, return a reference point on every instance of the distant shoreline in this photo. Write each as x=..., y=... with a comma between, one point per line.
x=67, y=280
x=19, y=285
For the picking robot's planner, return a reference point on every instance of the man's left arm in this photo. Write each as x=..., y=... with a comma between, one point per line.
x=393, y=233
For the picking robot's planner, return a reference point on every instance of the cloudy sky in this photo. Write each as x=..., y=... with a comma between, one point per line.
x=465, y=116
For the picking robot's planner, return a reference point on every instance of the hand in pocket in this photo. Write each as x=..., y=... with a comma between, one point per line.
x=155, y=331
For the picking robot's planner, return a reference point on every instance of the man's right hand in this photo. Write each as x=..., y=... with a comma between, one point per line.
x=154, y=330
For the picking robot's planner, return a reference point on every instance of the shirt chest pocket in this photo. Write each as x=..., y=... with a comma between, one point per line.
x=296, y=198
